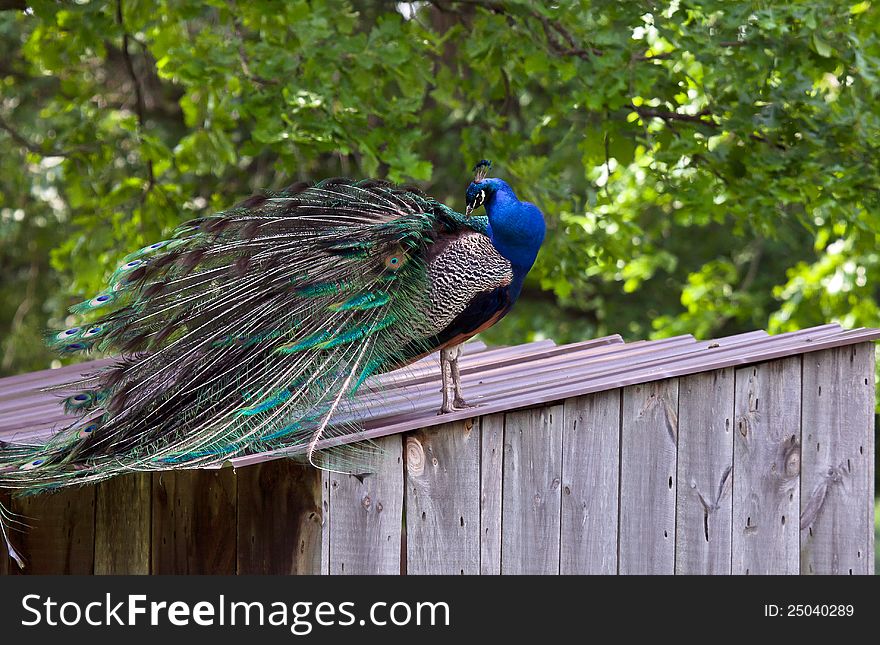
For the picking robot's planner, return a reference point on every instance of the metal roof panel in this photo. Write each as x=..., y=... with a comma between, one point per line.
x=497, y=379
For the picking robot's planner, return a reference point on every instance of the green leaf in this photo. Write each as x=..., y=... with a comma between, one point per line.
x=821, y=47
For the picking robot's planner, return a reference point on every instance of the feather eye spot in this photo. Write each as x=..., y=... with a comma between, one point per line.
x=75, y=347
x=67, y=333
x=157, y=245
x=33, y=464
x=98, y=301
x=81, y=397
x=395, y=261
x=93, y=331
x=88, y=430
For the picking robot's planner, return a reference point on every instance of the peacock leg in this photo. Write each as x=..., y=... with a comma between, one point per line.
x=452, y=396
x=458, y=402
x=448, y=387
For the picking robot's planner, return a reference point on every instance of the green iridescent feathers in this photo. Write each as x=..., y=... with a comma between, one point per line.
x=247, y=331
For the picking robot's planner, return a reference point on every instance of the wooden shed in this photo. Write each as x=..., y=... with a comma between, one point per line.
x=751, y=454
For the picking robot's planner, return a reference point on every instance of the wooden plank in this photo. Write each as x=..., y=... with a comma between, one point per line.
x=194, y=522
x=366, y=515
x=61, y=539
x=325, y=523
x=590, y=477
x=122, y=525
x=532, y=491
x=704, y=506
x=443, y=500
x=491, y=469
x=838, y=448
x=766, y=464
x=649, y=436
x=279, y=518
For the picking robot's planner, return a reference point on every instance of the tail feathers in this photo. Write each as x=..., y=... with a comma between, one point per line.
x=7, y=521
x=248, y=331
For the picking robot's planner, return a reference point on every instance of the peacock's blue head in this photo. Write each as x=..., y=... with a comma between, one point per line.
x=476, y=195
x=480, y=189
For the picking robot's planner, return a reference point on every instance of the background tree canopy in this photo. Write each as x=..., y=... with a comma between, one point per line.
x=705, y=166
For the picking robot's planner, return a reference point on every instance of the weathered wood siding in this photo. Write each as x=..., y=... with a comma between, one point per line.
x=648, y=456
x=761, y=469
x=837, y=464
x=766, y=451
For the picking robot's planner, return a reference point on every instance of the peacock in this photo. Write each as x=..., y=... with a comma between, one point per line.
x=251, y=330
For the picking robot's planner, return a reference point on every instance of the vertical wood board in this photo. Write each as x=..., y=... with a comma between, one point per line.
x=590, y=477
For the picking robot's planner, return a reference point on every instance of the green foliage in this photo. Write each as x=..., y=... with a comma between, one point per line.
x=705, y=166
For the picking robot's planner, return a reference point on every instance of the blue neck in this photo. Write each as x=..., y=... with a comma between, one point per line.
x=516, y=229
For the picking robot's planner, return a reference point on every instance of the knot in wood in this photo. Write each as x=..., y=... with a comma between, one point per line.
x=791, y=457
x=415, y=457
x=366, y=502
x=793, y=462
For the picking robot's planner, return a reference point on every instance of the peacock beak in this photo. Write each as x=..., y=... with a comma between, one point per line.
x=468, y=210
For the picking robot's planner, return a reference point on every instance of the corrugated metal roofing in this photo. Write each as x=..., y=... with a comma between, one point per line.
x=498, y=379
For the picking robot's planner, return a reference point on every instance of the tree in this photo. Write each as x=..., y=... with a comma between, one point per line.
x=706, y=167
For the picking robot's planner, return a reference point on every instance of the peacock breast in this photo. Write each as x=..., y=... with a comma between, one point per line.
x=462, y=271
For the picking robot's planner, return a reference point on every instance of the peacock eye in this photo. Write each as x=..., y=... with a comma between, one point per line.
x=100, y=300
x=85, y=432
x=33, y=464
x=395, y=261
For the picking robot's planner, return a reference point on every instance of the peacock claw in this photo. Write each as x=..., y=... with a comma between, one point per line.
x=457, y=405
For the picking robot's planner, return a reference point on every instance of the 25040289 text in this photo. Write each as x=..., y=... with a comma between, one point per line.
x=792, y=610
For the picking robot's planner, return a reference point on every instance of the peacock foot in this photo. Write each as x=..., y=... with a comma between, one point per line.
x=456, y=406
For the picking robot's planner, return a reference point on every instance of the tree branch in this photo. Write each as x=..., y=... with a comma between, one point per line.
x=559, y=39
x=553, y=30
x=140, y=104
x=562, y=43
x=667, y=115
x=21, y=311
x=245, y=61
x=21, y=140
